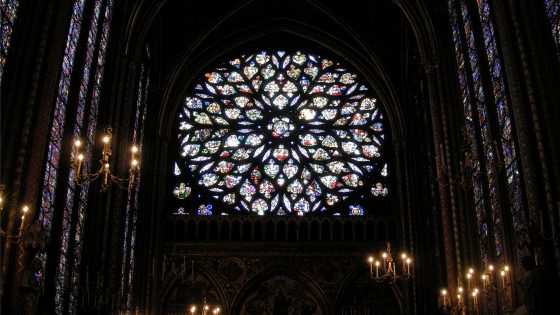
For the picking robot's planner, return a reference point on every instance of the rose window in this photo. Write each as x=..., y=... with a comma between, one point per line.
x=281, y=133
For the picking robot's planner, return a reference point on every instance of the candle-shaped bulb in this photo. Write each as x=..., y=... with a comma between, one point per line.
x=377, y=263
x=22, y=218
x=443, y=292
x=77, y=143
x=483, y=277
x=476, y=290
x=491, y=267
x=1, y=199
x=506, y=268
x=403, y=256
x=107, y=165
x=80, y=157
x=134, y=163
x=460, y=289
x=384, y=255
x=206, y=307
x=503, y=273
x=474, y=293
x=25, y=209
x=469, y=275
x=134, y=149
x=471, y=271
x=370, y=259
x=408, y=260
x=193, y=309
x=106, y=139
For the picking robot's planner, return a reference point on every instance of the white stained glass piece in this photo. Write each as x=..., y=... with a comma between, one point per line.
x=202, y=118
x=206, y=167
x=232, y=113
x=328, y=114
x=287, y=203
x=253, y=140
x=379, y=190
x=259, y=206
x=280, y=102
x=229, y=199
x=274, y=202
x=271, y=169
x=307, y=114
x=351, y=180
x=212, y=146
x=193, y=103
x=241, y=101
x=295, y=188
x=320, y=102
x=337, y=167
x=208, y=179
x=243, y=168
x=266, y=189
x=290, y=169
x=384, y=171
x=250, y=71
x=232, y=181
x=191, y=149
x=254, y=114
x=301, y=206
x=232, y=142
x=247, y=190
x=213, y=108
x=280, y=153
x=176, y=170
x=329, y=181
x=309, y=140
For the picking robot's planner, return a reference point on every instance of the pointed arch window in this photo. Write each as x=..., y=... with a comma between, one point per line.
x=90, y=37
x=8, y=9
x=282, y=133
x=131, y=216
x=488, y=129
x=553, y=12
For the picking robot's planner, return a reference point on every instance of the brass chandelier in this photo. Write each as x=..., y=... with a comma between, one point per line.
x=83, y=178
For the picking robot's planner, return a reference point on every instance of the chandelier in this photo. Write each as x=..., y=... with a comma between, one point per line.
x=205, y=308
x=491, y=287
x=386, y=268
x=83, y=178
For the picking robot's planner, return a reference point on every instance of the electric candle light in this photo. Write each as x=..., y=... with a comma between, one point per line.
x=503, y=274
x=106, y=139
x=469, y=276
x=444, y=295
x=384, y=255
x=408, y=261
x=370, y=260
x=134, y=149
x=193, y=309
x=377, y=263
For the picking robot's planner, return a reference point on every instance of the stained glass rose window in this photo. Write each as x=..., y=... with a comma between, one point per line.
x=281, y=133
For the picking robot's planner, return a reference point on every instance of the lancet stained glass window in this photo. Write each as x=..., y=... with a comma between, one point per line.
x=553, y=12
x=488, y=127
x=8, y=9
x=278, y=132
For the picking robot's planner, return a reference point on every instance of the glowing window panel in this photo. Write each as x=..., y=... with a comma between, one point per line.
x=281, y=133
x=553, y=12
x=7, y=18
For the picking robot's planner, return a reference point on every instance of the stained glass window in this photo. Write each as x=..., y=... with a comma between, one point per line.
x=7, y=17
x=88, y=87
x=487, y=124
x=553, y=12
x=129, y=239
x=57, y=129
x=283, y=133
x=87, y=102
